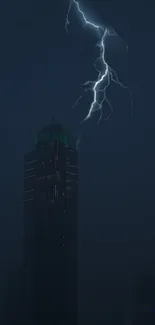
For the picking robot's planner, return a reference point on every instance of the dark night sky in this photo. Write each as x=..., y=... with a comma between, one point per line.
x=41, y=70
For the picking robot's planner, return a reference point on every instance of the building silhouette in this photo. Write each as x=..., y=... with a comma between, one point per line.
x=50, y=227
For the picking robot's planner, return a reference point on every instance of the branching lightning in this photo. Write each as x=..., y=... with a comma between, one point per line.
x=106, y=75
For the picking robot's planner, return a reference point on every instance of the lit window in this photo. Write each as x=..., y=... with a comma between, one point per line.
x=58, y=175
x=42, y=164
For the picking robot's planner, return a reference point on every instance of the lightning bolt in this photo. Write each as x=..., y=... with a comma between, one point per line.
x=106, y=75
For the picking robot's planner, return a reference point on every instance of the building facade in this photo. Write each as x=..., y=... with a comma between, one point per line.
x=50, y=226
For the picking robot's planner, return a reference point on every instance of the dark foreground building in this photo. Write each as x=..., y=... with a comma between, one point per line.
x=50, y=213
x=44, y=290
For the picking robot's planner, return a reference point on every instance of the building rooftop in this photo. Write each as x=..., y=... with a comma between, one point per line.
x=55, y=132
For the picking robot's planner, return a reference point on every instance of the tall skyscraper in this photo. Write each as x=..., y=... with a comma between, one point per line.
x=50, y=214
